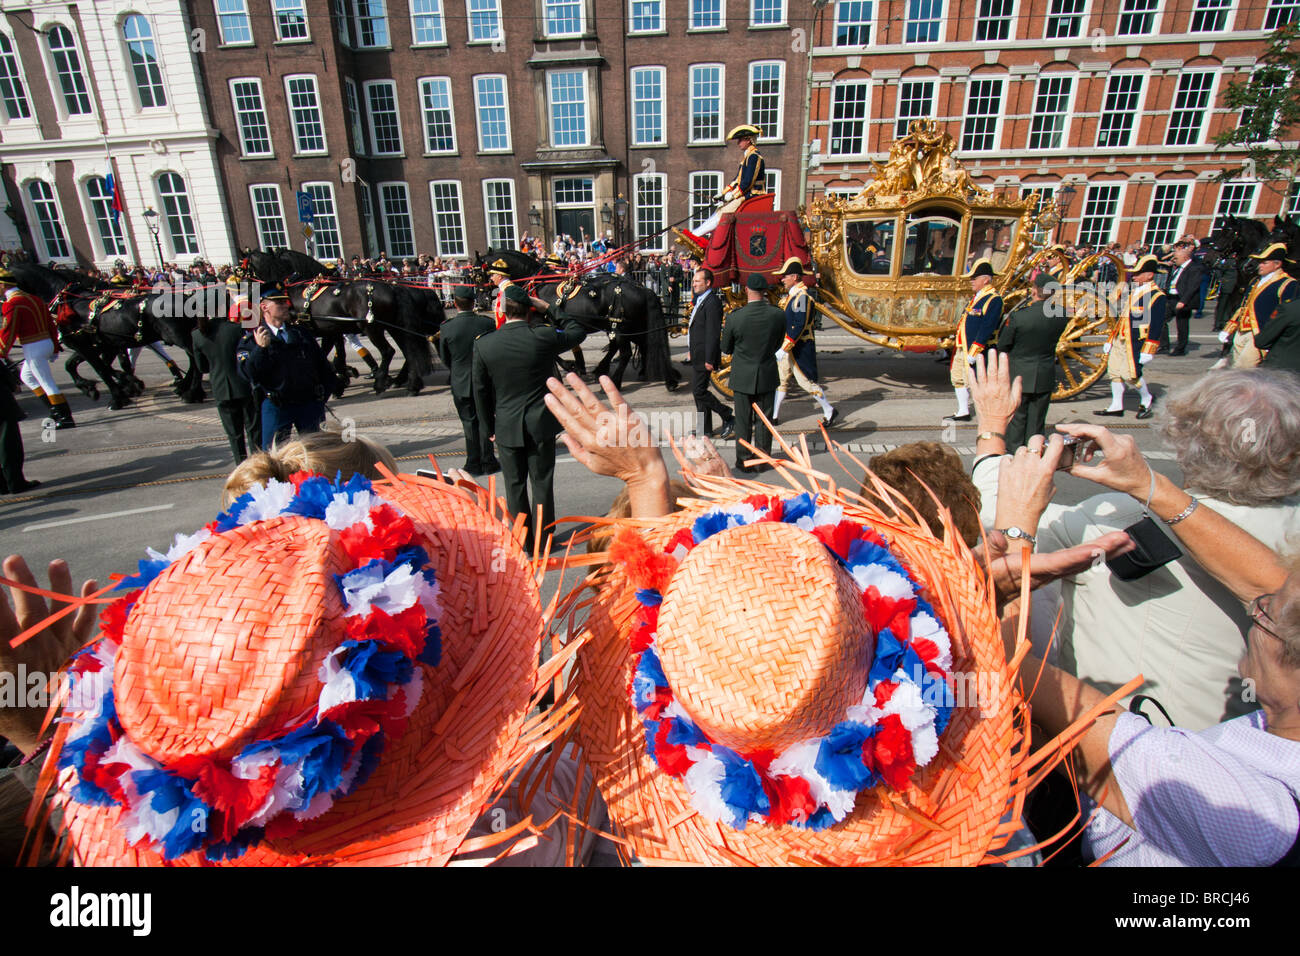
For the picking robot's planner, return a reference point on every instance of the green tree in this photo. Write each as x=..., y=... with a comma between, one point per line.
x=1270, y=105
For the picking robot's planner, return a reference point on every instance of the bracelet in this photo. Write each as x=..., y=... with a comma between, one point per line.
x=1184, y=514
x=998, y=435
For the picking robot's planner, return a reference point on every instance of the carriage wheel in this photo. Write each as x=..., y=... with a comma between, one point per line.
x=1080, y=360
x=722, y=378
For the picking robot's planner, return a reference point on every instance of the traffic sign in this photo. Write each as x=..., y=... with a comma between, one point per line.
x=306, y=208
x=307, y=232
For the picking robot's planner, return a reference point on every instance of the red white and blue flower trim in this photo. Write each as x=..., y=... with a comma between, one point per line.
x=883, y=740
x=369, y=688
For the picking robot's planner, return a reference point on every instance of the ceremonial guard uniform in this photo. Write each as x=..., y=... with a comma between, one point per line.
x=27, y=322
x=751, y=180
x=977, y=324
x=500, y=269
x=797, y=355
x=1029, y=340
x=751, y=337
x=456, y=349
x=1273, y=288
x=1134, y=342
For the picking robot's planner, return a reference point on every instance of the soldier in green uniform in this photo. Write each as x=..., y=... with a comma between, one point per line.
x=456, y=349
x=751, y=337
x=1029, y=339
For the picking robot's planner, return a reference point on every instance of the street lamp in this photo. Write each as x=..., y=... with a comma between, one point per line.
x=151, y=220
x=620, y=210
x=606, y=214
x=535, y=217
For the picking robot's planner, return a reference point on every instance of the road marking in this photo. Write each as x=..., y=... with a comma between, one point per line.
x=111, y=514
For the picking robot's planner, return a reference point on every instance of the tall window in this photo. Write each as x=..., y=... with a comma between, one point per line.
x=703, y=187
x=923, y=20
x=648, y=106
x=493, y=115
x=1267, y=88
x=325, y=220
x=484, y=20
x=144, y=61
x=304, y=113
x=250, y=117
x=563, y=18
x=176, y=211
x=1051, y=107
x=706, y=103
x=994, y=20
x=852, y=22
x=1123, y=93
x=290, y=19
x=395, y=209
x=1191, y=104
x=983, y=105
x=367, y=217
x=1064, y=19
x=647, y=16
x=915, y=101
x=651, y=191
x=499, y=204
x=706, y=15
x=766, y=13
x=268, y=216
x=232, y=22
x=385, y=125
x=1235, y=199
x=1167, y=205
x=568, y=103
x=67, y=65
x=353, y=105
x=1100, y=210
x=1137, y=17
x=1210, y=16
x=12, y=90
x=448, y=218
x=765, y=99
x=371, y=25
x=849, y=118
x=439, y=120
x=111, y=239
x=1280, y=13
x=1293, y=197
x=48, y=220
x=773, y=179
x=426, y=22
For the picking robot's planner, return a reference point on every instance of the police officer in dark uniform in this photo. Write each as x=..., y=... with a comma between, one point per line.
x=456, y=349
x=287, y=364
x=1029, y=339
x=751, y=337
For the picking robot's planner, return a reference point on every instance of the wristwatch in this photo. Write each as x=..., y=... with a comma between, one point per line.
x=1016, y=533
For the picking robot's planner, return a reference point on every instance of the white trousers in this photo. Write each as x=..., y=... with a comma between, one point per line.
x=36, y=372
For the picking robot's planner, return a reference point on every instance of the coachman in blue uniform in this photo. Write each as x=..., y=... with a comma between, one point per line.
x=1136, y=338
x=797, y=357
x=751, y=180
x=978, y=322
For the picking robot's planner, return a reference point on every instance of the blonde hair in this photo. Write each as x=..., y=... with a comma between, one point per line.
x=326, y=452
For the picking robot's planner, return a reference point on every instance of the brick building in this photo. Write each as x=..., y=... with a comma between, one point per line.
x=446, y=126
x=1120, y=99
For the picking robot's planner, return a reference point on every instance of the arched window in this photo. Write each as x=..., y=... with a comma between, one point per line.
x=144, y=61
x=67, y=65
x=176, y=207
x=47, y=220
x=108, y=226
x=12, y=90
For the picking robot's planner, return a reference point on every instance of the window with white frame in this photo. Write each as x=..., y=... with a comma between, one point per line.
x=707, y=15
x=13, y=92
x=983, y=106
x=1064, y=19
x=1168, y=203
x=1267, y=84
x=499, y=206
x=1191, y=105
x=290, y=19
x=426, y=23
x=325, y=220
x=395, y=211
x=994, y=20
x=67, y=66
x=703, y=187
x=766, y=99
x=567, y=98
x=772, y=178
x=574, y=193
x=1045, y=193
x=175, y=200
x=1280, y=13
x=924, y=18
x=367, y=217
x=232, y=22
x=852, y=22
x=648, y=106
x=353, y=105
x=706, y=103
x=1235, y=199
x=766, y=13
x=1051, y=109
x=646, y=16
x=343, y=22
x=268, y=216
x=48, y=221
x=385, y=125
x=1293, y=198
x=1100, y=210
x=562, y=18
x=484, y=20
x=493, y=114
x=448, y=218
x=849, y=105
x=143, y=55
x=1137, y=17
x=250, y=117
x=371, y=23
x=439, y=119
x=1120, y=107
x=651, y=192
x=1210, y=16
x=915, y=101
x=304, y=114
x=111, y=240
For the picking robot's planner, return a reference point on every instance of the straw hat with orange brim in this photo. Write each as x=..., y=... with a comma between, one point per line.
x=326, y=674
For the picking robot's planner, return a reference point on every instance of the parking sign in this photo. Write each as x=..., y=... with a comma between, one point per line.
x=306, y=209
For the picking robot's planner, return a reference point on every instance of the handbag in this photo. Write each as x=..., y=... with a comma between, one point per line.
x=1154, y=549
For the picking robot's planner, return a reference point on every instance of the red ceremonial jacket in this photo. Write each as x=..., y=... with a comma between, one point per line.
x=25, y=320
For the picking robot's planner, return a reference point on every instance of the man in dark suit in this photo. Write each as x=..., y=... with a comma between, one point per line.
x=1280, y=339
x=703, y=338
x=1029, y=339
x=1185, y=291
x=12, y=481
x=510, y=370
x=752, y=337
x=456, y=349
x=216, y=343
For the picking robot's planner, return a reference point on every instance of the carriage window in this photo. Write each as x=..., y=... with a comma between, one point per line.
x=869, y=246
x=931, y=244
x=991, y=238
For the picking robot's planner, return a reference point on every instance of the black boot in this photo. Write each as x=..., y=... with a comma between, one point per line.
x=62, y=415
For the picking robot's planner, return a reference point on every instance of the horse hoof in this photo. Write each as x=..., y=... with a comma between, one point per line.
x=350, y=372
x=118, y=404
x=381, y=385
x=671, y=386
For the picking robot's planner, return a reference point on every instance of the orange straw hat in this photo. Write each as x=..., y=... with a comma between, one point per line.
x=326, y=674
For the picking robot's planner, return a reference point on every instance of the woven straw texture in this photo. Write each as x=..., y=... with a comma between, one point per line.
x=226, y=644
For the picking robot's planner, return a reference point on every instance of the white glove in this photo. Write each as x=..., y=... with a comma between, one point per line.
x=1225, y=336
x=1105, y=349
x=1144, y=358
x=780, y=354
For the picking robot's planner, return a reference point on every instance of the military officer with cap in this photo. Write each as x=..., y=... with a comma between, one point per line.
x=498, y=272
x=980, y=319
x=1272, y=289
x=751, y=179
x=797, y=355
x=751, y=337
x=1135, y=339
x=456, y=349
x=25, y=320
x=1029, y=340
